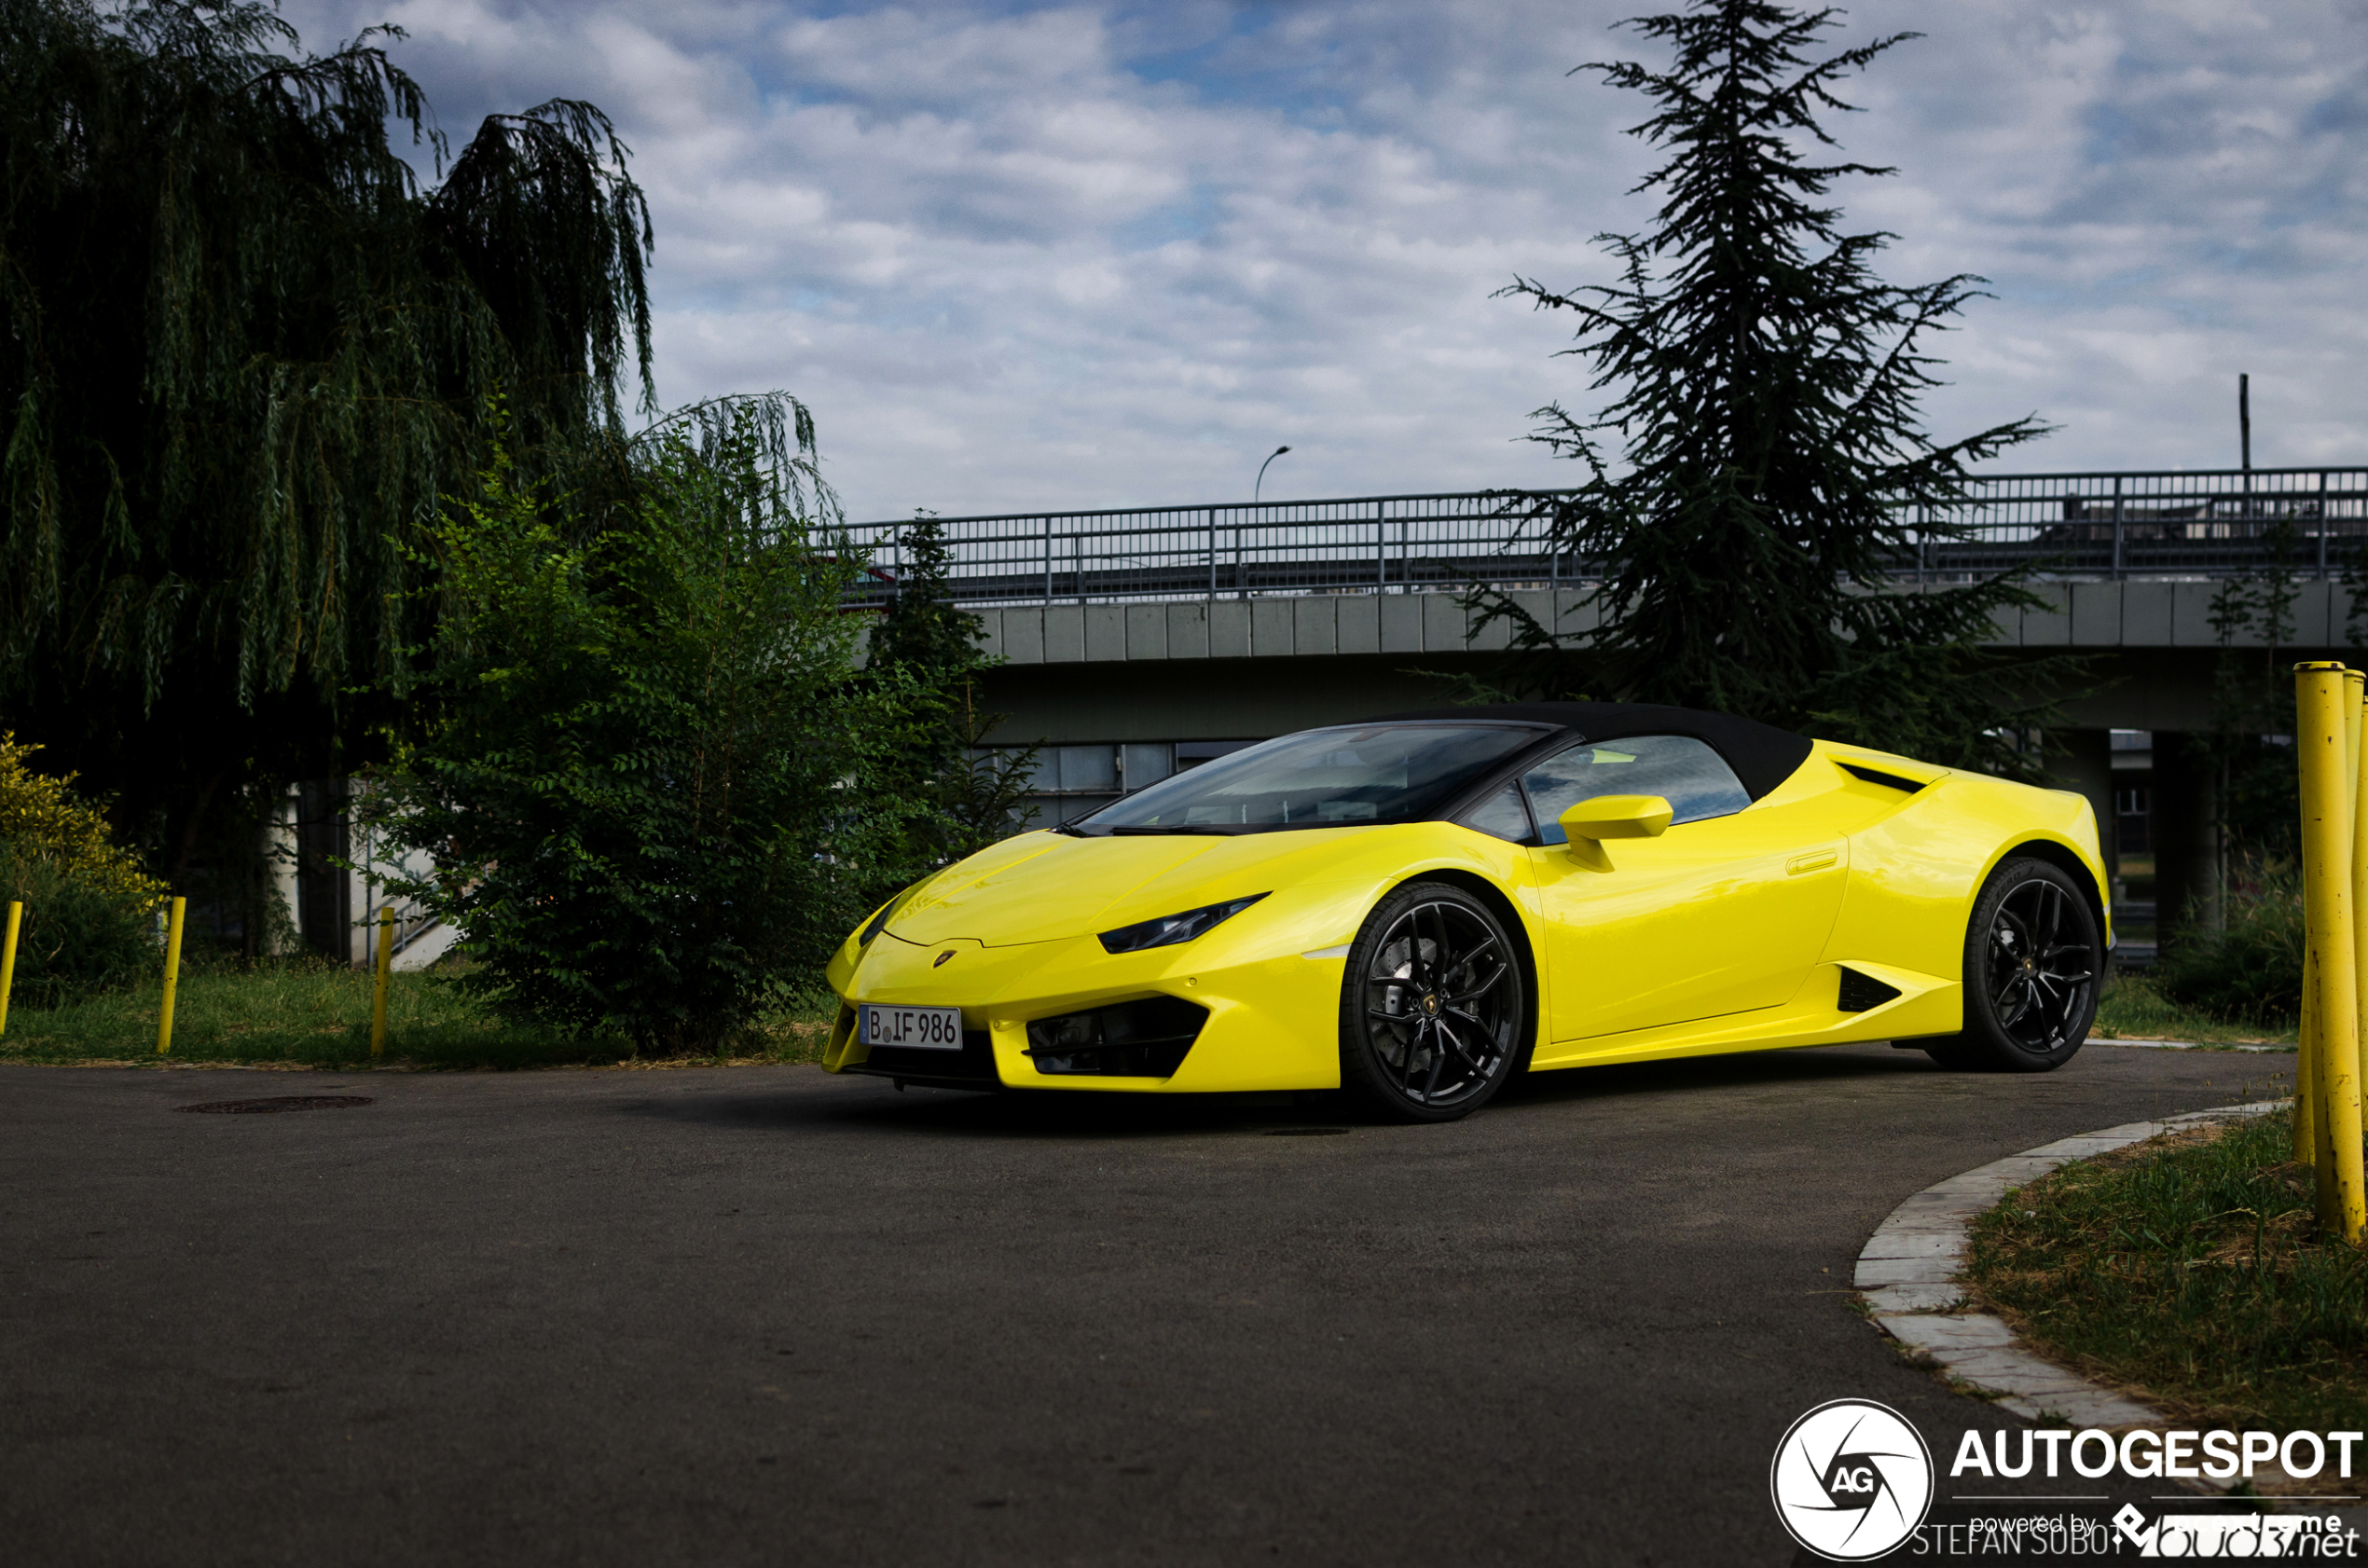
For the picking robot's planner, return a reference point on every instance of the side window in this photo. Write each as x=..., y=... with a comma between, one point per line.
x=1691, y=777
x=1500, y=816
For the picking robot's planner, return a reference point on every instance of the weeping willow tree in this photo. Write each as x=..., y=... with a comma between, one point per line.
x=249, y=345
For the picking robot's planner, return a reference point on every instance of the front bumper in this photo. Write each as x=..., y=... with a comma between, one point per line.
x=1273, y=1017
x=971, y=1067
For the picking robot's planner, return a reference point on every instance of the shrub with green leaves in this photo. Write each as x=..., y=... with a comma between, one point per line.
x=88, y=906
x=2250, y=968
x=636, y=786
x=76, y=938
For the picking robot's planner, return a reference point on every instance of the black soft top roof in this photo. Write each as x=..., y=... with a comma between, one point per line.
x=1762, y=755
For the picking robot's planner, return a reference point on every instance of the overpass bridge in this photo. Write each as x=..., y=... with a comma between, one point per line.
x=1138, y=642
x=2102, y=526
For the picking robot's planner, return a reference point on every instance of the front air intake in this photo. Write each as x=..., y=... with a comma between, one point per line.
x=1149, y=1038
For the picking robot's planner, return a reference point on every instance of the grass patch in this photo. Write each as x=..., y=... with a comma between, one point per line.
x=2188, y=1269
x=2134, y=1007
x=308, y=1015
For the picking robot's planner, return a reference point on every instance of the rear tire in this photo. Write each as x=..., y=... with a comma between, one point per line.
x=1432, y=1009
x=2032, y=963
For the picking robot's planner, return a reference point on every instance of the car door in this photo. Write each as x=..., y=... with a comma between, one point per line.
x=1725, y=911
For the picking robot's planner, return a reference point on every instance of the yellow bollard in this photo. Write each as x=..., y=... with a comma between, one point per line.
x=2355, y=681
x=2310, y=1135
x=2355, y=691
x=2323, y=1162
x=2307, y=1054
x=2313, y=1145
x=2321, y=733
x=2322, y=1153
x=378, y=999
x=171, y=978
x=9, y=964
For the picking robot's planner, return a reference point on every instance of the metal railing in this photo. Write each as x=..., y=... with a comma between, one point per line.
x=2196, y=524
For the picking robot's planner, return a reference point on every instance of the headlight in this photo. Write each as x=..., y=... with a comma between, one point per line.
x=879, y=922
x=1169, y=930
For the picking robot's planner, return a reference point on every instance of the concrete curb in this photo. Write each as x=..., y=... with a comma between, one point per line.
x=1907, y=1269
x=2195, y=1045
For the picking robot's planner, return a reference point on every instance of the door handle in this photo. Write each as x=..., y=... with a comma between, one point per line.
x=1818, y=861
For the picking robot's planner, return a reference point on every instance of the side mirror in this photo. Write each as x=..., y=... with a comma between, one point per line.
x=1616, y=817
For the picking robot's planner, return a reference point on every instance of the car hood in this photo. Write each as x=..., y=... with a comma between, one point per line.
x=1045, y=886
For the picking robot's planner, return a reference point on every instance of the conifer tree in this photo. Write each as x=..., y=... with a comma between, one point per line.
x=959, y=794
x=1771, y=470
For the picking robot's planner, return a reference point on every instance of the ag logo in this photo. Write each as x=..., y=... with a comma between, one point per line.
x=1851, y=1480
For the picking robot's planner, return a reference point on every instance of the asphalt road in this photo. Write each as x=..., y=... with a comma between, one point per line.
x=770, y=1316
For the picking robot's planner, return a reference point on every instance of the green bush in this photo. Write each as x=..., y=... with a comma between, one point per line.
x=76, y=937
x=641, y=790
x=2252, y=967
x=89, y=919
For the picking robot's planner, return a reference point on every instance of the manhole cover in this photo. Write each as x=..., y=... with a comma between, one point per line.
x=280, y=1102
x=1304, y=1132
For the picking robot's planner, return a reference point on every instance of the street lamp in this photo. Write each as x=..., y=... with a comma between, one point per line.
x=1261, y=473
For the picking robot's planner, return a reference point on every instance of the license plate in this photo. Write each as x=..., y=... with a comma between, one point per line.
x=910, y=1028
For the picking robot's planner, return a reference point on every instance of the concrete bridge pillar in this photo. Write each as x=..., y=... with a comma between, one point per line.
x=2188, y=871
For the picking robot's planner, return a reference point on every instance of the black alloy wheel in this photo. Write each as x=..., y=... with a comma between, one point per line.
x=1432, y=1014
x=2032, y=961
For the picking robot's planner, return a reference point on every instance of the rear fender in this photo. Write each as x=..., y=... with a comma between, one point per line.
x=1914, y=875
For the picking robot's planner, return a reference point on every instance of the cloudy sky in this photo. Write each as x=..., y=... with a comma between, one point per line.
x=1023, y=256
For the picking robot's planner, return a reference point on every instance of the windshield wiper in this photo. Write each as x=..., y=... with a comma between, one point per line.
x=1219, y=830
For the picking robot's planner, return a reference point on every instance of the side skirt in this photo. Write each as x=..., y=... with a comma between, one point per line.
x=1926, y=1004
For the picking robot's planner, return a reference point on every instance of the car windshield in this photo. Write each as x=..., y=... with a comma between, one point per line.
x=1319, y=779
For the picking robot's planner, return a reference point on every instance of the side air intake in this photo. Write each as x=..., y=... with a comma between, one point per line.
x=1877, y=775
x=1862, y=993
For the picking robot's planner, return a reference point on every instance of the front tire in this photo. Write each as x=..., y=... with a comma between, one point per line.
x=2032, y=961
x=1433, y=1012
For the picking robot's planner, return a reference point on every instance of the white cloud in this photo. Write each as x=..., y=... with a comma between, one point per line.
x=1078, y=255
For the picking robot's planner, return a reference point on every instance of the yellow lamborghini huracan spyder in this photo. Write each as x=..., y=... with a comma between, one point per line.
x=1417, y=907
